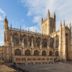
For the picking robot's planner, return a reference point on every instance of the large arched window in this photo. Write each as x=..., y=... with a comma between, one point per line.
x=17, y=52
x=27, y=53
x=57, y=41
x=44, y=43
x=56, y=53
x=25, y=41
x=38, y=42
x=43, y=53
x=21, y=38
x=30, y=41
x=51, y=43
x=50, y=53
x=36, y=53
x=15, y=39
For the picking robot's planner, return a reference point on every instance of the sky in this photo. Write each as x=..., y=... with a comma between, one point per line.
x=27, y=14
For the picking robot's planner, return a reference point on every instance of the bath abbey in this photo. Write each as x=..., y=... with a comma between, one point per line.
x=24, y=46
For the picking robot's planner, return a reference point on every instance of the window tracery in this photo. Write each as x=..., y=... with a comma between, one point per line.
x=44, y=43
x=36, y=53
x=17, y=52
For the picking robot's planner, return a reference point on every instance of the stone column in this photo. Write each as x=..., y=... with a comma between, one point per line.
x=41, y=44
x=54, y=47
x=71, y=38
x=40, y=47
x=23, y=52
x=64, y=44
x=48, y=46
x=12, y=43
x=40, y=52
x=60, y=42
x=32, y=43
x=23, y=43
x=26, y=43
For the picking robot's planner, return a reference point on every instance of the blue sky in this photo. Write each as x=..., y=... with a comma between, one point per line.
x=28, y=13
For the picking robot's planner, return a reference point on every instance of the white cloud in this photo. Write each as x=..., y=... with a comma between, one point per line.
x=0, y=18
x=1, y=37
x=32, y=29
x=39, y=8
x=1, y=11
x=2, y=15
x=36, y=19
x=29, y=13
x=1, y=43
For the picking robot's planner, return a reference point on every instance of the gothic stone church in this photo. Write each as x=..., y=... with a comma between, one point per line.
x=23, y=46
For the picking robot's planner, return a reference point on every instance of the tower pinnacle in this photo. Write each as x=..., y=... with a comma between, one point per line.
x=5, y=24
x=48, y=13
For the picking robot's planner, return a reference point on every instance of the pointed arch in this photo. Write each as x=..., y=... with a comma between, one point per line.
x=17, y=52
x=50, y=53
x=43, y=53
x=27, y=53
x=57, y=41
x=56, y=53
x=44, y=43
x=36, y=53
x=38, y=41
x=51, y=43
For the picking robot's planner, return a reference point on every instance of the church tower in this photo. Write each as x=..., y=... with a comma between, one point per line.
x=5, y=24
x=65, y=51
x=62, y=42
x=48, y=25
x=6, y=31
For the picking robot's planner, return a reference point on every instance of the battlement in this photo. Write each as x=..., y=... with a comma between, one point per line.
x=48, y=25
x=50, y=16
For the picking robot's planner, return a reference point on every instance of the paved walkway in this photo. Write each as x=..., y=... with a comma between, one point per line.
x=60, y=67
x=4, y=68
x=57, y=67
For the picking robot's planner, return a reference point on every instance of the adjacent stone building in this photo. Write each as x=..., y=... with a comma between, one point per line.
x=1, y=52
x=22, y=46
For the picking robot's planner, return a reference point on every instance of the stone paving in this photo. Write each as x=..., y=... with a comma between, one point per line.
x=4, y=68
x=57, y=67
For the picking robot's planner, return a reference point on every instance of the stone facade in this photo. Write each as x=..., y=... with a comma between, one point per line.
x=24, y=46
x=1, y=52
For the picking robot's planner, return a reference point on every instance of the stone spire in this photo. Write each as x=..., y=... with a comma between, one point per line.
x=5, y=24
x=42, y=20
x=54, y=16
x=48, y=13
